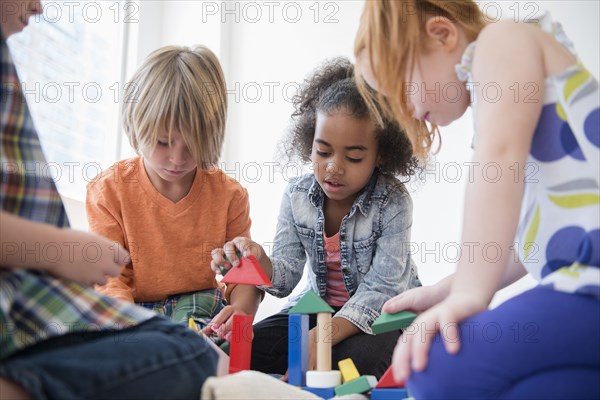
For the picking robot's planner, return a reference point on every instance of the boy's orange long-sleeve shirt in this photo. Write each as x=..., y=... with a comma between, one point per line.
x=169, y=243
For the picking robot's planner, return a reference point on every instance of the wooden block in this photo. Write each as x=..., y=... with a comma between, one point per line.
x=348, y=370
x=326, y=393
x=323, y=379
x=387, y=380
x=324, y=342
x=391, y=322
x=389, y=394
x=248, y=272
x=360, y=385
x=240, y=343
x=192, y=325
x=311, y=303
x=297, y=349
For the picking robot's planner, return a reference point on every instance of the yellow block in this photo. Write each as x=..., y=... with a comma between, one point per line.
x=348, y=370
x=192, y=325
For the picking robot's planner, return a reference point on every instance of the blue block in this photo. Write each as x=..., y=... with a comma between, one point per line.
x=297, y=349
x=326, y=393
x=389, y=394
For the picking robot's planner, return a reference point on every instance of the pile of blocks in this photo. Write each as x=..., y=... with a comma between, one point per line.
x=323, y=382
x=327, y=383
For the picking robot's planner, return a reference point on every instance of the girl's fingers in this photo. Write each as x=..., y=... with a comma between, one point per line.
x=218, y=261
x=394, y=304
x=420, y=348
x=216, y=324
x=412, y=351
x=231, y=253
x=220, y=268
x=247, y=247
x=207, y=330
x=243, y=245
x=450, y=336
x=229, y=256
x=225, y=330
x=401, y=358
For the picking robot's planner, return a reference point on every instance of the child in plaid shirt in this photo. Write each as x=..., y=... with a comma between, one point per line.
x=53, y=326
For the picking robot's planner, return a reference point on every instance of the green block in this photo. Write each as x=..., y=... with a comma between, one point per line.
x=391, y=322
x=311, y=303
x=358, y=385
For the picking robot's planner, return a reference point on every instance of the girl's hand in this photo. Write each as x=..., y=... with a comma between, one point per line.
x=222, y=323
x=228, y=256
x=412, y=349
x=90, y=260
x=416, y=300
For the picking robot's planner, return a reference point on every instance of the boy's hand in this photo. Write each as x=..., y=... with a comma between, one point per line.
x=91, y=260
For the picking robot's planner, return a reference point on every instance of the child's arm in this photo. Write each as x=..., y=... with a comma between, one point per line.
x=19, y=236
x=246, y=298
x=340, y=330
x=422, y=298
x=288, y=249
x=243, y=298
x=504, y=129
x=504, y=133
x=286, y=264
x=102, y=220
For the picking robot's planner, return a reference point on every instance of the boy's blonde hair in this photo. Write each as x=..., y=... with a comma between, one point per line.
x=390, y=34
x=178, y=88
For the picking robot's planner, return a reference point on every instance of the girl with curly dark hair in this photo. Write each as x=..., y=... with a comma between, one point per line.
x=351, y=217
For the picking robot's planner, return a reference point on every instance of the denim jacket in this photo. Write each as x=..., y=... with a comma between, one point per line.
x=375, y=261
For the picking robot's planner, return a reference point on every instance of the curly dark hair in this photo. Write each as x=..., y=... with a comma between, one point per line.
x=332, y=88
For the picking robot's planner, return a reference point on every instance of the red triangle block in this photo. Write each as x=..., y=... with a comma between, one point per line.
x=387, y=380
x=248, y=272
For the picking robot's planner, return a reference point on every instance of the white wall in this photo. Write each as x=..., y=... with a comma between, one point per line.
x=264, y=50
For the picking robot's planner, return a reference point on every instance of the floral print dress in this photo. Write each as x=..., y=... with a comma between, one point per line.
x=558, y=239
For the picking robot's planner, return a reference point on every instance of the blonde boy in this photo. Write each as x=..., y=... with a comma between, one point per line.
x=170, y=205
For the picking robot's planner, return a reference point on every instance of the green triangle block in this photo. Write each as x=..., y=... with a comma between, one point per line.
x=391, y=322
x=311, y=303
x=356, y=386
